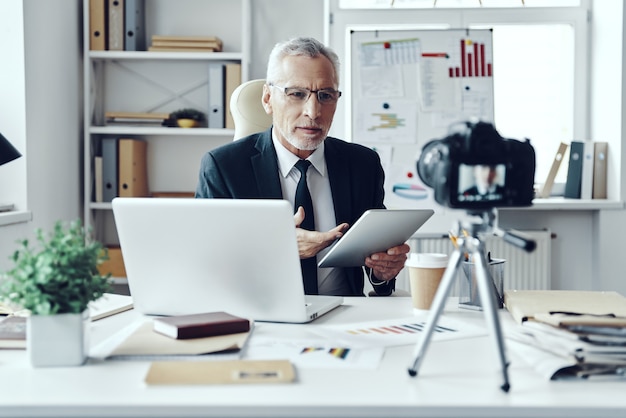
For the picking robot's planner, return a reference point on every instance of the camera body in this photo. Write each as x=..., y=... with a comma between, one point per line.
x=475, y=168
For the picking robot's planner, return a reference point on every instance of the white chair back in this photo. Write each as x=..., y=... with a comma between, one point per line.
x=247, y=110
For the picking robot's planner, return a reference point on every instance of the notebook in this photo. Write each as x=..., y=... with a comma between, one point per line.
x=186, y=256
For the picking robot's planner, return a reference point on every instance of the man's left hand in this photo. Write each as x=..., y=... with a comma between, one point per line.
x=387, y=265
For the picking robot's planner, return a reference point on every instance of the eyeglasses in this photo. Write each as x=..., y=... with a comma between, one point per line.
x=301, y=94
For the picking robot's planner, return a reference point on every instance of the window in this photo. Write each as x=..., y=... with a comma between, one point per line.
x=540, y=60
x=534, y=88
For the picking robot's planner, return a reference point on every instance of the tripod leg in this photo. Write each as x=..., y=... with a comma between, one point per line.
x=435, y=309
x=487, y=297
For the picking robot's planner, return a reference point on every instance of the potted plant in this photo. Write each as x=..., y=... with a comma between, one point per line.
x=56, y=283
x=188, y=117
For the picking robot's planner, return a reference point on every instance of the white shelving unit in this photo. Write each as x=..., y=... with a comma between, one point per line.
x=143, y=81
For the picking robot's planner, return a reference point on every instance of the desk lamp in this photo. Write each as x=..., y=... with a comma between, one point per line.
x=7, y=153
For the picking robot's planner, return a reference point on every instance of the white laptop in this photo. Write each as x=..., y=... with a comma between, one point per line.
x=185, y=256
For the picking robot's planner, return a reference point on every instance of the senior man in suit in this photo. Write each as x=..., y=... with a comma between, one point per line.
x=341, y=180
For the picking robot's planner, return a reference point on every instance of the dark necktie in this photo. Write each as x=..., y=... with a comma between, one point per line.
x=303, y=198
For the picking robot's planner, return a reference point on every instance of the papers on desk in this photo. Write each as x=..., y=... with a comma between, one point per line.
x=401, y=331
x=570, y=334
x=313, y=353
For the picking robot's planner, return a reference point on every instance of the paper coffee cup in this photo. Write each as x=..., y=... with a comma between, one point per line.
x=425, y=273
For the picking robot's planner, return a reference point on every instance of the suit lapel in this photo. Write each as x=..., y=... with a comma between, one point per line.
x=265, y=166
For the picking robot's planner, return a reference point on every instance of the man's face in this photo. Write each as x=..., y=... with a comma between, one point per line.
x=301, y=127
x=485, y=174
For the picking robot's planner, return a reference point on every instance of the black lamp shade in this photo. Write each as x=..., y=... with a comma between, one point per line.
x=7, y=151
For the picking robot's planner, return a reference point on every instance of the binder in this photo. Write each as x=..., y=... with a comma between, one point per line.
x=134, y=25
x=109, y=169
x=97, y=25
x=116, y=25
x=216, y=96
x=556, y=163
x=574, y=171
x=97, y=177
x=600, y=169
x=586, y=184
x=133, y=169
x=233, y=80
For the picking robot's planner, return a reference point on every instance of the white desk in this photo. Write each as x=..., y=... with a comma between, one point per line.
x=458, y=378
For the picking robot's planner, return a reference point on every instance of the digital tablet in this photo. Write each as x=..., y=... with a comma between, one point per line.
x=375, y=231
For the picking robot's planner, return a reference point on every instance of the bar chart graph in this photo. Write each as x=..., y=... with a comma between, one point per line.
x=473, y=61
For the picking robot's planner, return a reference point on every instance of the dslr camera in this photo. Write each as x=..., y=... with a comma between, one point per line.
x=475, y=168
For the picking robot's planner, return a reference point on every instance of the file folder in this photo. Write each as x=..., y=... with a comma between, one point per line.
x=97, y=25
x=97, y=179
x=133, y=172
x=586, y=183
x=233, y=80
x=135, y=25
x=216, y=96
x=556, y=163
x=116, y=25
x=599, y=170
x=109, y=169
x=575, y=170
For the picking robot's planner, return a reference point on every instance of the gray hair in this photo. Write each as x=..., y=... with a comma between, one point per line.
x=308, y=47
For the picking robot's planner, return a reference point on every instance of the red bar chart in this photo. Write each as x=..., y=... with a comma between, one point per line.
x=473, y=61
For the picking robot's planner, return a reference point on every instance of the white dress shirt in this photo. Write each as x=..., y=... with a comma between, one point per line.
x=329, y=280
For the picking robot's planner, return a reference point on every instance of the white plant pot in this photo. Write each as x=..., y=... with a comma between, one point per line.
x=57, y=340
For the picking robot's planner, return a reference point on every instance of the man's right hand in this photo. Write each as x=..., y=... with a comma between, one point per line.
x=312, y=242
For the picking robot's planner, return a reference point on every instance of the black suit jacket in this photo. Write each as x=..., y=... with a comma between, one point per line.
x=248, y=169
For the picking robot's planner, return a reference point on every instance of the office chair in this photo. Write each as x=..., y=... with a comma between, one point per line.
x=247, y=110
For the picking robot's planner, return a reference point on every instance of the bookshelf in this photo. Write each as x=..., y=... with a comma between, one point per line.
x=157, y=82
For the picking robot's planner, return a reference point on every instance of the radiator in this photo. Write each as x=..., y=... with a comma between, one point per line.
x=522, y=270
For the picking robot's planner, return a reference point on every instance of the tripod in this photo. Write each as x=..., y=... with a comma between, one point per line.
x=471, y=245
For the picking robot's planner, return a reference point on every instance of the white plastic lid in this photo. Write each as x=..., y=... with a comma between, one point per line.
x=427, y=260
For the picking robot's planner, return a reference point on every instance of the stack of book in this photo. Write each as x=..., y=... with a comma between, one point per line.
x=136, y=118
x=204, y=336
x=171, y=43
x=570, y=334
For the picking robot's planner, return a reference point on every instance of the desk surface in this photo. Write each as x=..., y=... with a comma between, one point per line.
x=458, y=378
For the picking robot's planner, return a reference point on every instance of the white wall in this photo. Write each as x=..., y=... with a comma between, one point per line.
x=607, y=120
x=43, y=117
x=52, y=118
x=277, y=20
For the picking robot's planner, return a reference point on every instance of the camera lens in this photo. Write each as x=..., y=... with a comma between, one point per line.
x=430, y=158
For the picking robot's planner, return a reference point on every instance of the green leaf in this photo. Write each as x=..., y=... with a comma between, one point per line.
x=58, y=276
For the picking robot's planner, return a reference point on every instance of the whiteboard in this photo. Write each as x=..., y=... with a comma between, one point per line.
x=409, y=86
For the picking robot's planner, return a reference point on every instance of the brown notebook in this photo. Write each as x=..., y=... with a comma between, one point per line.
x=200, y=325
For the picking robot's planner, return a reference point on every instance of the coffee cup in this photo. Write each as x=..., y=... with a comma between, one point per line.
x=425, y=273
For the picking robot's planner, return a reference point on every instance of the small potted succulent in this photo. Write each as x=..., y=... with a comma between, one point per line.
x=56, y=283
x=188, y=118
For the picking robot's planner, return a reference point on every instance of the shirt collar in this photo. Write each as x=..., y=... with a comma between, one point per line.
x=286, y=160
